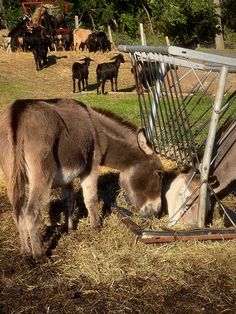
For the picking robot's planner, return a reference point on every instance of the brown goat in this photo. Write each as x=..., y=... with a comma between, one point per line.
x=80, y=37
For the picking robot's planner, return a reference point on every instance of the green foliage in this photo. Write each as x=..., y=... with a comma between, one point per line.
x=230, y=38
x=122, y=38
x=228, y=11
x=180, y=20
x=13, y=12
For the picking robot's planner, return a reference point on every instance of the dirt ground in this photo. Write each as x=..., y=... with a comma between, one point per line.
x=56, y=79
x=105, y=271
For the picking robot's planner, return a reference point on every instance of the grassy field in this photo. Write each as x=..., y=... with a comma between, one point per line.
x=106, y=271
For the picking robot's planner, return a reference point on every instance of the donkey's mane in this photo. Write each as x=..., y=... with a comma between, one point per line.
x=116, y=118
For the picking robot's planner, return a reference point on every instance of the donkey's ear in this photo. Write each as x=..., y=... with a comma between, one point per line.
x=143, y=142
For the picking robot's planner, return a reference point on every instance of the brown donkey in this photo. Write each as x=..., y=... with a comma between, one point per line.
x=47, y=143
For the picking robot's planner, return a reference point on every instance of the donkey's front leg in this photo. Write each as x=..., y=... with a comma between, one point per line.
x=23, y=232
x=89, y=186
x=67, y=196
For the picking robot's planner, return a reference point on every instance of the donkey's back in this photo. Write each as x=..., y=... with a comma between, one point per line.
x=33, y=126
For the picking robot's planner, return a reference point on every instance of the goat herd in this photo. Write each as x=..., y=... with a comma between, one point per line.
x=28, y=37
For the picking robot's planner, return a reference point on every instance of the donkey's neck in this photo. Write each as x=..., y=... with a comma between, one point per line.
x=122, y=149
x=121, y=155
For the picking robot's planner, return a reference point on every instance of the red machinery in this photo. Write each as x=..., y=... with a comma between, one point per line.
x=35, y=8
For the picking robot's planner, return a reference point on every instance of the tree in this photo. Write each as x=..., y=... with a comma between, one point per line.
x=3, y=23
x=219, y=40
x=180, y=20
x=228, y=14
x=12, y=12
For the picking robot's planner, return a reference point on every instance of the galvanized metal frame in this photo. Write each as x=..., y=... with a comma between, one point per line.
x=166, y=91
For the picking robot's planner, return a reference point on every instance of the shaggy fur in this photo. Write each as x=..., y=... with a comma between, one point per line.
x=48, y=143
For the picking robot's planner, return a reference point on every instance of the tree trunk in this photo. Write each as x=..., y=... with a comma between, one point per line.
x=219, y=40
x=149, y=19
x=3, y=23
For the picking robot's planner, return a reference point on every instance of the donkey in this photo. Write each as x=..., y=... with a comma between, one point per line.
x=222, y=178
x=48, y=143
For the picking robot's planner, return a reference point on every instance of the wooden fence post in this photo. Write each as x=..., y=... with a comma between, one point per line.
x=167, y=41
x=143, y=37
x=76, y=22
x=110, y=34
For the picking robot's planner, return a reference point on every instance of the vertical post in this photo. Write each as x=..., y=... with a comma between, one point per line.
x=205, y=167
x=76, y=27
x=143, y=38
x=76, y=22
x=167, y=41
x=110, y=34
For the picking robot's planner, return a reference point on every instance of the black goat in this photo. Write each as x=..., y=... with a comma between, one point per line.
x=91, y=42
x=103, y=44
x=98, y=42
x=148, y=72
x=39, y=44
x=80, y=72
x=109, y=71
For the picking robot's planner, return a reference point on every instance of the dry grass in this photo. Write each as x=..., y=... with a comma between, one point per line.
x=18, y=72
x=109, y=271
x=106, y=271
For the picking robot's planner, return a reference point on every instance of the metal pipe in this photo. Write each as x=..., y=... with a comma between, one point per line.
x=155, y=49
x=184, y=53
x=205, y=167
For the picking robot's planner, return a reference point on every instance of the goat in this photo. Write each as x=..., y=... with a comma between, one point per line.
x=98, y=42
x=80, y=72
x=103, y=44
x=4, y=39
x=109, y=71
x=64, y=39
x=38, y=43
x=147, y=73
x=80, y=37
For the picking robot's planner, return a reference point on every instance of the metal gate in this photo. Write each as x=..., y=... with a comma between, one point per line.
x=184, y=97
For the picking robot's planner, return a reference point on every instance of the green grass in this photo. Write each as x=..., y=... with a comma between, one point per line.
x=125, y=106
x=11, y=91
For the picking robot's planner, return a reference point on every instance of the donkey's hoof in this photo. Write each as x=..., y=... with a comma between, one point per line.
x=96, y=224
x=33, y=263
x=41, y=259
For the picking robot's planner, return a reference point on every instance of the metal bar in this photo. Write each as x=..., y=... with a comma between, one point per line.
x=182, y=52
x=200, y=237
x=163, y=236
x=193, y=54
x=156, y=49
x=209, y=145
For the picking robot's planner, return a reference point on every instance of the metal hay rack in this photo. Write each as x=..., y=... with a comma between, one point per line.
x=184, y=97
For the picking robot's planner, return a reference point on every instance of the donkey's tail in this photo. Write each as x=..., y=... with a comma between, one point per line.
x=17, y=185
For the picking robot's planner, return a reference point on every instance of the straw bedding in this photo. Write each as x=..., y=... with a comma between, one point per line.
x=109, y=271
